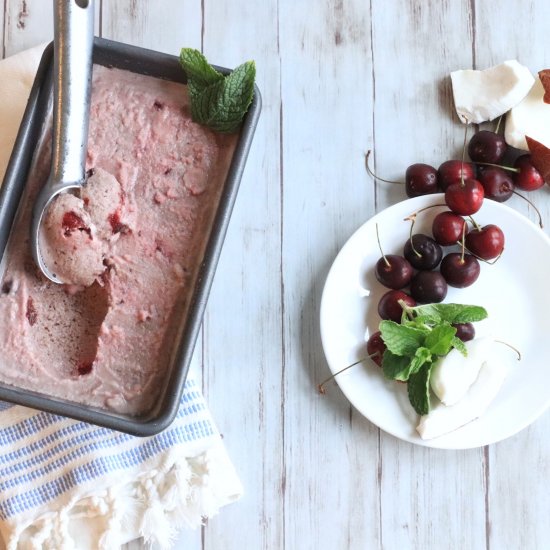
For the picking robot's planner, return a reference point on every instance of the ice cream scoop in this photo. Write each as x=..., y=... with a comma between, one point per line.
x=73, y=40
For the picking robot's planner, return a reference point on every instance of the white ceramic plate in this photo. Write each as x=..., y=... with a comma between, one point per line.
x=515, y=291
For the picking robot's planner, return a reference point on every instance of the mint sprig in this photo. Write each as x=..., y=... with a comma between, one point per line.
x=217, y=101
x=424, y=334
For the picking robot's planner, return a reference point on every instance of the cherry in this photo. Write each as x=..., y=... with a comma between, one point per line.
x=528, y=178
x=465, y=331
x=420, y=179
x=389, y=306
x=72, y=222
x=465, y=198
x=460, y=270
x=454, y=171
x=447, y=228
x=422, y=252
x=486, y=146
x=393, y=271
x=376, y=347
x=486, y=242
x=497, y=184
x=428, y=287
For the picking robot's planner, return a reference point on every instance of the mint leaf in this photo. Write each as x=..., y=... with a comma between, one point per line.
x=422, y=355
x=197, y=68
x=217, y=101
x=459, y=345
x=439, y=340
x=452, y=313
x=401, y=339
x=395, y=367
x=470, y=314
x=401, y=367
x=418, y=389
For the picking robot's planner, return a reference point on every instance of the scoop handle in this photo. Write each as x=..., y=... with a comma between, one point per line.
x=73, y=42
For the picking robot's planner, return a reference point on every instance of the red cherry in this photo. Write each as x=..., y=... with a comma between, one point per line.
x=420, y=179
x=447, y=228
x=460, y=270
x=393, y=271
x=465, y=331
x=528, y=178
x=376, y=347
x=454, y=171
x=487, y=146
x=497, y=184
x=465, y=198
x=72, y=222
x=389, y=306
x=486, y=243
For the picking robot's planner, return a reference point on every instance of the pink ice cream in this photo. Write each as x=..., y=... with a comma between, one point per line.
x=131, y=242
x=77, y=236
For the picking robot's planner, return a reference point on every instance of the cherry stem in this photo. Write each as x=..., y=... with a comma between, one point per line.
x=476, y=225
x=373, y=175
x=498, y=124
x=463, y=154
x=490, y=262
x=509, y=168
x=413, y=220
x=511, y=347
x=380, y=247
x=321, y=388
x=536, y=209
x=463, y=243
x=412, y=216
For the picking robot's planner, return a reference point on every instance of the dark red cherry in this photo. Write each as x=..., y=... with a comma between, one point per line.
x=420, y=179
x=389, y=307
x=497, y=184
x=423, y=252
x=376, y=347
x=528, y=178
x=428, y=287
x=465, y=198
x=454, y=171
x=447, y=228
x=486, y=146
x=460, y=270
x=393, y=271
x=486, y=243
x=465, y=331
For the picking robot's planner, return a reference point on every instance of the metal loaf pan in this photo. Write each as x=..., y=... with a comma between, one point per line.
x=160, y=65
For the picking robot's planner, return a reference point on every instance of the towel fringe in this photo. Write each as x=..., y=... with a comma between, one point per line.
x=155, y=505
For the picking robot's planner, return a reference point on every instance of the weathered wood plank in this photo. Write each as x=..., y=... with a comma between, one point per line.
x=30, y=22
x=428, y=497
x=242, y=328
x=518, y=468
x=27, y=23
x=331, y=453
x=164, y=26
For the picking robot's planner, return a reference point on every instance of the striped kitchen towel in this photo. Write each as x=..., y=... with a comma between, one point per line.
x=67, y=484
x=71, y=485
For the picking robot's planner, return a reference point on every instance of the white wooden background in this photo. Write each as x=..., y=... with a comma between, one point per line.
x=338, y=77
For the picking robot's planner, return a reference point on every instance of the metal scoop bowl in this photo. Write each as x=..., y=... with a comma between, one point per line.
x=73, y=41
